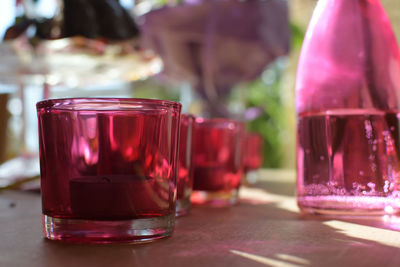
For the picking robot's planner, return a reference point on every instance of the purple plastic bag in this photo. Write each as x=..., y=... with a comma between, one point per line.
x=217, y=44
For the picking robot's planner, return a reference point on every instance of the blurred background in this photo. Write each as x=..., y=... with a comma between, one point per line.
x=223, y=58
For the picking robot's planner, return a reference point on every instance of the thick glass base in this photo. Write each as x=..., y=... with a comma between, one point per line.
x=125, y=231
x=349, y=205
x=215, y=198
x=182, y=207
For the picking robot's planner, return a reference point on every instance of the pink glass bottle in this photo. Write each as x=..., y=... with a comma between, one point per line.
x=347, y=101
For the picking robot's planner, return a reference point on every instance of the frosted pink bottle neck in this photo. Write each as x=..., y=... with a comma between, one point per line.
x=349, y=60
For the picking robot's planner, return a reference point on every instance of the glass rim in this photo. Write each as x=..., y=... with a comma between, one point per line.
x=106, y=104
x=188, y=116
x=216, y=121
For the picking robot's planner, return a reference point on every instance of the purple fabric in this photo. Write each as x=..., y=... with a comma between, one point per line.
x=217, y=44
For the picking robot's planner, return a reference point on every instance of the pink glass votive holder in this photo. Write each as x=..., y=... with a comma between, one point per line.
x=217, y=161
x=108, y=169
x=253, y=152
x=253, y=156
x=185, y=166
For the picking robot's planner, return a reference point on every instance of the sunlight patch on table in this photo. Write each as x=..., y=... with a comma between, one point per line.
x=279, y=175
x=260, y=196
x=382, y=236
x=392, y=222
x=265, y=260
x=292, y=258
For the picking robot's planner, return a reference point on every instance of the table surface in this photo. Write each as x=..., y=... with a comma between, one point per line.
x=264, y=229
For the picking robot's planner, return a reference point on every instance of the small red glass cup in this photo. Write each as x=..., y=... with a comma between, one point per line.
x=185, y=165
x=217, y=161
x=108, y=168
x=253, y=156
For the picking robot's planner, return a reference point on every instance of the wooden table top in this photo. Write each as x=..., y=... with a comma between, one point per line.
x=264, y=229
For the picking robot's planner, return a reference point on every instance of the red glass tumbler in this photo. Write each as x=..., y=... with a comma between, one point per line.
x=185, y=169
x=217, y=161
x=253, y=158
x=108, y=168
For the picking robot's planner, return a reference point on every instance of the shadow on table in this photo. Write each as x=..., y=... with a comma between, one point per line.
x=312, y=240
x=287, y=188
x=249, y=234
